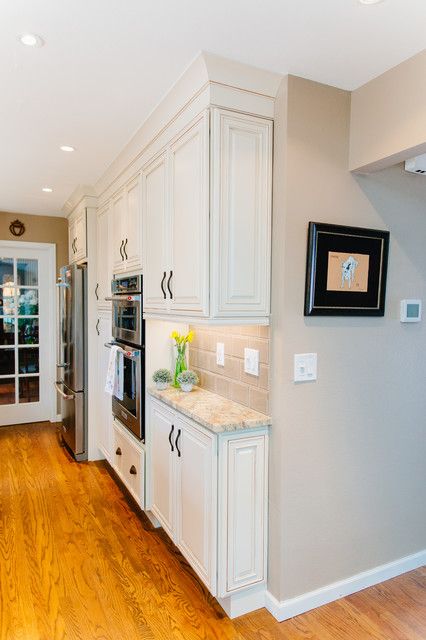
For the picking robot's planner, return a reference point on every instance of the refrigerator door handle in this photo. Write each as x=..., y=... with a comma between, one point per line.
x=65, y=396
x=62, y=365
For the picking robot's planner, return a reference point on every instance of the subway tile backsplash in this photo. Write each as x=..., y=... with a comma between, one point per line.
x=230, y=380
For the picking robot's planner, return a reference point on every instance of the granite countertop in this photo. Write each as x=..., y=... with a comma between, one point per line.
x=210, y=410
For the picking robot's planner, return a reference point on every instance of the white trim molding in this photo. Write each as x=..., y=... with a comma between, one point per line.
x=282, y=610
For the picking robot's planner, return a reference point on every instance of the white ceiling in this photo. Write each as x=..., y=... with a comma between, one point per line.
x=107, y=63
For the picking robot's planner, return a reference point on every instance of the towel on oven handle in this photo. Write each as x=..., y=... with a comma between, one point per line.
x=115, y=373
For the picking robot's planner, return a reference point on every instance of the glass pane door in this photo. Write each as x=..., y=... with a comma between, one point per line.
x=19, y=331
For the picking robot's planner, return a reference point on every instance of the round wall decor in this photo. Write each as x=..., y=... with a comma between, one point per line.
x=17, y=228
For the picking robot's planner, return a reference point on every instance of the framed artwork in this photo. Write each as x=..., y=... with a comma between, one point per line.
x=346, y=271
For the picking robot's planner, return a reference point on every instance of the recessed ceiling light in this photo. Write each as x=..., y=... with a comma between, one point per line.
x=31, y=40
x=67, y=147
x=369, y=1
x=47, y=190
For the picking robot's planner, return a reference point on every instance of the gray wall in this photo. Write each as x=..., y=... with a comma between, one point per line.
x=348, y=460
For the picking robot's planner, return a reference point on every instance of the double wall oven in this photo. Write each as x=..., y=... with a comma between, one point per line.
x=128, y=333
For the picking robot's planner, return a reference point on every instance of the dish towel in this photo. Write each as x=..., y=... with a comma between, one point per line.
x=114, y=379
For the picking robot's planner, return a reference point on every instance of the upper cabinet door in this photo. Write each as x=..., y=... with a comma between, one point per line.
x=132, y=247
x=71, y=241
x=117, y=235
x=104, y=260
x=241, y=214
x=187, y=281
x=156, y=268
x=80, y=243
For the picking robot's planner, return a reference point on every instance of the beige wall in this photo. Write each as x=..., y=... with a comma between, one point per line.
x=348, y=451
x=230, y=380
x=388, y=120
x=39, y=229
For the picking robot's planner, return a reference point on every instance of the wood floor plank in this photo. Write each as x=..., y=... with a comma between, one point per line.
x=77, y=562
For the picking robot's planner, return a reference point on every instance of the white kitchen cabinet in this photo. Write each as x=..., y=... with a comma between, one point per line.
x=209, y=492
x=103, y=400
x=104, y=259
x=187, y=285
x=155, y=221
x=240, y=214
x=132, y=247
x=77, y=236
x=118, y=205
x=176, y=222
x=126, y=238
x=128, y=461
x=207, y=208
x=196, y=500
x=163, y=461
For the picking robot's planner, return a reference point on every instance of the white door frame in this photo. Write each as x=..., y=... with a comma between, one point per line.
x=50, y=248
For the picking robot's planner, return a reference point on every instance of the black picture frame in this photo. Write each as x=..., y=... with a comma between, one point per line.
x=339, y=283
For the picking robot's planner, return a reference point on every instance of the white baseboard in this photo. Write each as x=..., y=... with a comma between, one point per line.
x=295, y=606
x=57, y=418
x=243, y=602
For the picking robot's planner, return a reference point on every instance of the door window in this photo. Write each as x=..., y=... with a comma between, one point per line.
x=19, y=331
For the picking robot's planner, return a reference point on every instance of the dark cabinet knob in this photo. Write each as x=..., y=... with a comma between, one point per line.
x=118, y=452
x=133, y=470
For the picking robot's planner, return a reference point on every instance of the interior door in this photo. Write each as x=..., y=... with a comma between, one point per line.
x=26, y=338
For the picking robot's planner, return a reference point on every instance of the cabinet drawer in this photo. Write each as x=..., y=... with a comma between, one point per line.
x=129, y=463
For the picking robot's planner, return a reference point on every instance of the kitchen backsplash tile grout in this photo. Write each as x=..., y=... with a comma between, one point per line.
x=230, y=381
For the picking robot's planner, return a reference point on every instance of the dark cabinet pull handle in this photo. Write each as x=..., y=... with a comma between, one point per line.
x=73, y=245
x=133, y=470
x=118, y=452
x=121, y=253
x=176, y=443
x=124, y=249
x=162, y=285
x=170, y=437
x=97, y=327
x=96, y=291
x=168, y=284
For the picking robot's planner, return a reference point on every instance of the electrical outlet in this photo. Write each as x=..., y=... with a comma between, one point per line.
x=220, y=354
x=251, y=361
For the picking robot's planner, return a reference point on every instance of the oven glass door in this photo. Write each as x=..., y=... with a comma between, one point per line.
x=126, y=320
x=130, y=377
x=129, y=410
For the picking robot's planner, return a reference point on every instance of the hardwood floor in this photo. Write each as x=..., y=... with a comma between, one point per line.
x=76, y=562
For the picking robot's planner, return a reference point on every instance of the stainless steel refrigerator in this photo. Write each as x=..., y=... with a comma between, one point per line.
x=71, y=366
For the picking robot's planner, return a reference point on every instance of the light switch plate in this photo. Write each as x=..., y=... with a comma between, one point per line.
x=251, y=362
x=220, y=354
x=305, y=367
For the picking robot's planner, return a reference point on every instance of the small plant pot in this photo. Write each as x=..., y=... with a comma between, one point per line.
x=186, y=387
x=161, y=386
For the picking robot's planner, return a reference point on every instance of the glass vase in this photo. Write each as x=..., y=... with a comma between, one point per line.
x=180, y=364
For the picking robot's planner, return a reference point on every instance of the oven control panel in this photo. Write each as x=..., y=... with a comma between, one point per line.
x=126, y=284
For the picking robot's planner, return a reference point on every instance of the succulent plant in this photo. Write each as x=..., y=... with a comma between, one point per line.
x=187, y=377
x=162, y=376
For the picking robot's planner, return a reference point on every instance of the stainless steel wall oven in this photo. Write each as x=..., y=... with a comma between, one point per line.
x=129, y=334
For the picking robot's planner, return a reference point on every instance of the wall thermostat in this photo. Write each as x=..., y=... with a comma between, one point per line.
x=411, y=310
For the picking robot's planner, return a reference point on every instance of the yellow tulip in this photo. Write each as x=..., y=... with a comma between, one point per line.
x=190, y=336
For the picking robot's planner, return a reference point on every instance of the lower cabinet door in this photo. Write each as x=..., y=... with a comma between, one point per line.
x=128, y=460
x=196, y=504
x=243, y=478
x=104, y=414
x=163, y=437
